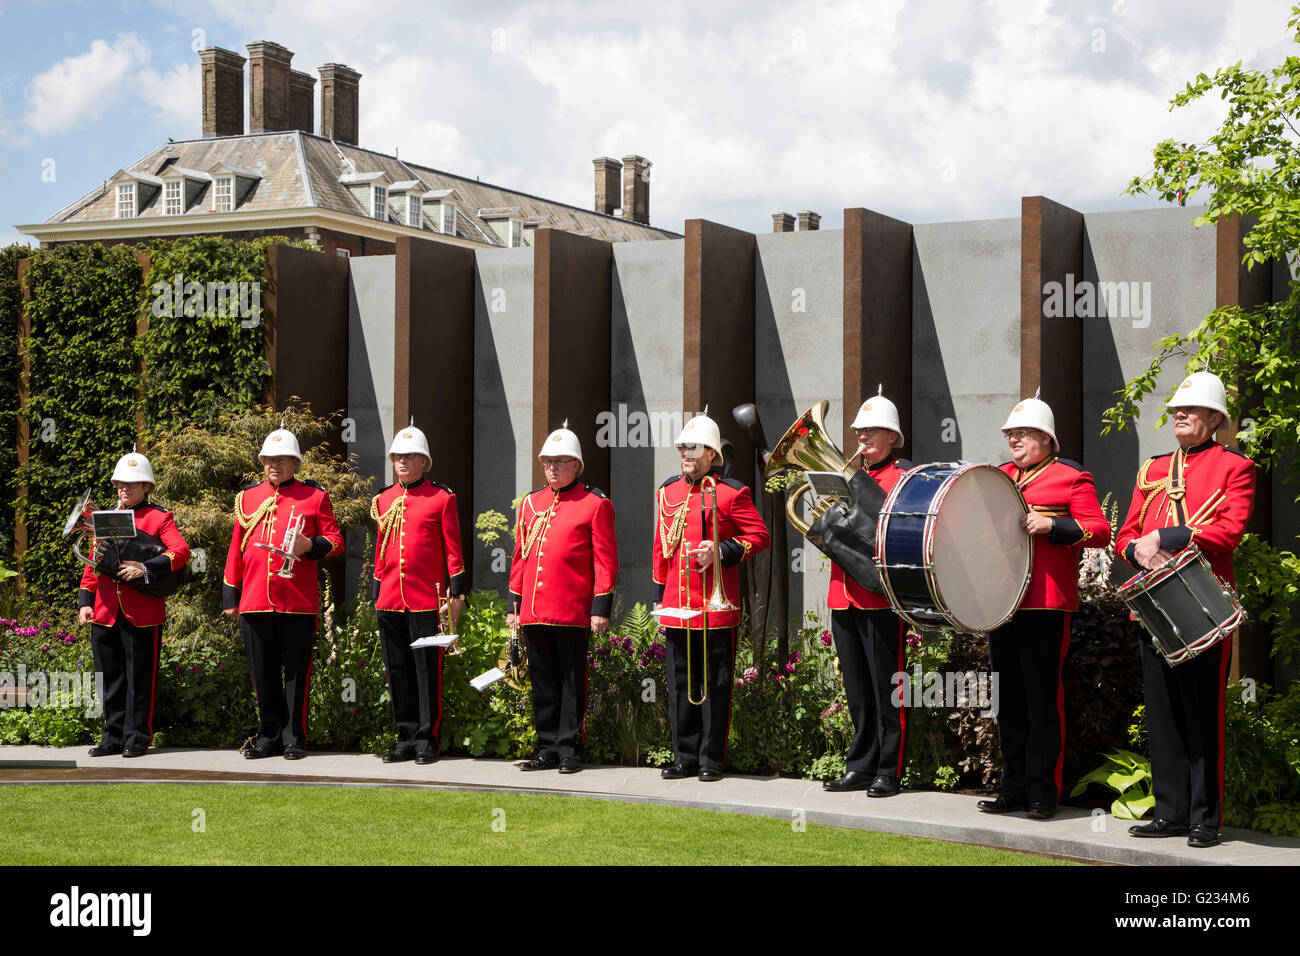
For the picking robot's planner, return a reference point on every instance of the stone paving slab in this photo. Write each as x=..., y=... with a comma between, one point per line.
x=1072, y=833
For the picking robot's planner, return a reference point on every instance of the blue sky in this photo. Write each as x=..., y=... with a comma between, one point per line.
x=922, y=110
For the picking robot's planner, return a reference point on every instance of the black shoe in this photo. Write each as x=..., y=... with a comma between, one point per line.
x=130, y=751
x=103, y=751
x=426, y=757
x=1000, y=805
x=1040, y=810
x=398, y=756
x=1159, y=827
x=850, y=781
x=254, y=752
x=1203, y=835
x=570, y=765
x=294, y=753
x=539, y=763
x=678, y=771
x=709, y=775
x=883, y=787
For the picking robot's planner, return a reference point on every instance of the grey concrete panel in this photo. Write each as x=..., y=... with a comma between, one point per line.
x=1173, y=265
x=646, y=342
x=798, y=324
x=503, y=397
x=966, y=340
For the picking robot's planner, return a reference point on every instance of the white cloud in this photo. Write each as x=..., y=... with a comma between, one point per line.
x=10, y=238
x=79, y=88
x=176, y=97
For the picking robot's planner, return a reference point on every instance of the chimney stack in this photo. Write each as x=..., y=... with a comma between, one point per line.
x=636, y=189
x=809, y=220
x=339, y=102
x=223, y=92
x=608, y=189
x=268, y=87
x=782, y=222
x=302, y=101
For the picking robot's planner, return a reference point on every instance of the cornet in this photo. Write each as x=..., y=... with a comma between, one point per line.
x=285, y=550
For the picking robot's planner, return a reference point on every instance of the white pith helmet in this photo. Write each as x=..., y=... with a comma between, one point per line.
x=1203, y=390
x=1033, y=413
x=133, y=467
x=280, y=442
x=702, y=430
x=562, y=442
x=411, y=440
x=880, y=412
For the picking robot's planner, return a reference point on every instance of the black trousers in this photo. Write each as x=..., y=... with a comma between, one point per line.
x=700, y=730
x=557, y=667
x=1185, y=725
x=414, y=677
x=870, y=645
x=275, y=642
x=1027, y=655
x=127, y=657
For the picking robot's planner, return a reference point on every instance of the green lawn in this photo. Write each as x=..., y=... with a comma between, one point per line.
x=159, y=824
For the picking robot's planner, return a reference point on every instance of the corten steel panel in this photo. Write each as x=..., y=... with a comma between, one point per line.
x=433, y=354
x=718, y=354
x=305, y=322
x=1236, y=285
x=24, y=381
x=571, y=344
x=1051, y=349
x=877, y=340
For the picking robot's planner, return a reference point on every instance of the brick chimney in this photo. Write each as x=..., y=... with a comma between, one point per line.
x=608, y=189
x=302, y=101
x=339, y=102
x=782, y=222
x=268, y=87
x=636, y=189
x=809, y=220
x=223, y=92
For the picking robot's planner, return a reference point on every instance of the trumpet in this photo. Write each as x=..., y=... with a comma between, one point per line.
x=285, y=550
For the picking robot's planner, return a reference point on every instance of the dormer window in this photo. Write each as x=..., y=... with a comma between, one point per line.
x=440, y=206
x=126, y=200
x=379, y=202
x=507, y=224
x=223, y=197
x=173, y=201
x=413, y=211
x=516, y=233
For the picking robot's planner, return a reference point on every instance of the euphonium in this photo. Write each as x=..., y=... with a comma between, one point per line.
x=806, y=446
x=513, y=660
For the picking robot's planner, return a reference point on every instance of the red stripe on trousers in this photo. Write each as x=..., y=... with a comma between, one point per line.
x=1060, y=706
x=1225, y=658
x=902, y=711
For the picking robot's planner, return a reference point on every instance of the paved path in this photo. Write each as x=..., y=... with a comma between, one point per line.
x=942, y=816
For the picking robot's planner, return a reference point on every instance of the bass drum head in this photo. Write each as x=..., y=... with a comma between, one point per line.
x=981, y=554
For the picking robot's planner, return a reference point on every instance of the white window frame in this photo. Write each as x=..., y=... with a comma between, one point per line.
x=379, y=202
x=414, y=210
x=447, y=218
x=515, y=233
x=223, y=194
x=173, y=197
x=126, y=201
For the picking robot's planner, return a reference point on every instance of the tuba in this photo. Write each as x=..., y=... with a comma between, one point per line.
x=110, y=552
x=844, y=531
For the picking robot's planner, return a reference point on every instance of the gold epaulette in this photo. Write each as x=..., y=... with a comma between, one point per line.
x=249, y=522
x=392, y=518
x=1148, y=488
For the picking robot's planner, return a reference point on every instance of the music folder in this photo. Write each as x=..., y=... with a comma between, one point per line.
x=434, y=640
x=679, y=613
x=487, y=679
x=113, y=524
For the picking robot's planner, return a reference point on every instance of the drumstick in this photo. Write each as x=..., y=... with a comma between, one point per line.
x=1211, y=504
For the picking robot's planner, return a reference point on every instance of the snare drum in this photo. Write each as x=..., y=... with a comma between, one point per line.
x=1184, y=607
x=951, y=549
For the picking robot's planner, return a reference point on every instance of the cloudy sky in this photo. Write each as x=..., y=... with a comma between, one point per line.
x=926, y=111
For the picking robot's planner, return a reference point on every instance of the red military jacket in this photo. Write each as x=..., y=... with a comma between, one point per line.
x=107, y=594
x=262, y=514
x=565, y=559
x=418, y=550
x=1215, y=504
x=1061, y=490
x=844, y=591
x=683, y=520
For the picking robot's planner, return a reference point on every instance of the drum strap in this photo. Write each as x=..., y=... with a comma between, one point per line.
x=1176, y=488
x=1025, y=477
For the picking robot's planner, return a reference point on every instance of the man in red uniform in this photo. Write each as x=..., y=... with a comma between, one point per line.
x=126, y=625
x=869, y=637
x=1027, y=653
x=701, y=648
x=561, y=587
x=277, y=597
x=1201, y=494
x=418, y=562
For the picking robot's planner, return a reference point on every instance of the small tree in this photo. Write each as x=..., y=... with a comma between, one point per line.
x=1249, y=167
x=200, y=470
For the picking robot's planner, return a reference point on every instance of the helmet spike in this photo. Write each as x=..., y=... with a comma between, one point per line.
x=880, y=388
x=566, y=424
x=1038, y=391
x=411, y=423
x=706, y=409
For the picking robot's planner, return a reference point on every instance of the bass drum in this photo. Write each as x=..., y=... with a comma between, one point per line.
x=951, y=549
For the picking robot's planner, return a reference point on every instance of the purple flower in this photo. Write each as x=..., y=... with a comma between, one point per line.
x=658, y=651
x=827, y=640
x=789, y=668
x=913, y=639
x=751, y=674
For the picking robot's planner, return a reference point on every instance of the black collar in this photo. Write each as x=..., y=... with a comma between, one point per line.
x=415, y=484
x=569, y=487
x=1201, y=447
x=883, y=463
x=284, y=484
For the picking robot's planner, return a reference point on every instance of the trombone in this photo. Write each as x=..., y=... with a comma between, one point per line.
x=717, y=599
